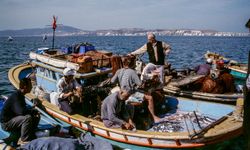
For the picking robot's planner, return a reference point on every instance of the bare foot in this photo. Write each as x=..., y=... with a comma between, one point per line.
x=156, y=119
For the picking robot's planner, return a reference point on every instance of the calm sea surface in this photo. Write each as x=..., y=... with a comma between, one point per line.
x=186, y=52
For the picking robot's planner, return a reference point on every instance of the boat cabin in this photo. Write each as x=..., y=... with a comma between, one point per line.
x=89, y=64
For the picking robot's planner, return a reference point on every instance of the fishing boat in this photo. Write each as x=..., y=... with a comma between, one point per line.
x=10, y=38
x=44, y=37
x=48, y=126
x=188, y=132
x=90, y=64
x=182, y=83
x=181, y=86
x=238, y=70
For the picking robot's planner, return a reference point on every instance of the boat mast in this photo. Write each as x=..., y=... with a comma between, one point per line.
x=54, y=30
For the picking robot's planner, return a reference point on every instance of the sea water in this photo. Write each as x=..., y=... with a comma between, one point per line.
x=185, y=52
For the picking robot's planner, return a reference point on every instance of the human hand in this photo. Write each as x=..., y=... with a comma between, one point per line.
x=128, y=126
x=69, y=94
x=131, y=55
x=131, y=122
x=36, y=102
x=34, y=112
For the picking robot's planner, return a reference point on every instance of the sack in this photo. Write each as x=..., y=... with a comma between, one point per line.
x=54, y=96
x=139, y=66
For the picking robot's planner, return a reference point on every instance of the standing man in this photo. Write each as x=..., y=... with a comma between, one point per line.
x=157, y=50
x=16, y=118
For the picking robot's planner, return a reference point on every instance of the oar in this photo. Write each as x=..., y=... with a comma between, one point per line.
x=197, y=120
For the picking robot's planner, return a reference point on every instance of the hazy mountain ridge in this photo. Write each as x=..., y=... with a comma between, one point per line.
x=71, y=31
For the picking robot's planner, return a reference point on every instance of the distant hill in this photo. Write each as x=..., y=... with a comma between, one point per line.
x=61, y=30
x=71, y=31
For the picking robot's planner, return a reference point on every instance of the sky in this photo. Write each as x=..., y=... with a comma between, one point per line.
x=220, y=15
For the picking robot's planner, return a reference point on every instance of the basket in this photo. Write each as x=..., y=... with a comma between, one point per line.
x=85, y=63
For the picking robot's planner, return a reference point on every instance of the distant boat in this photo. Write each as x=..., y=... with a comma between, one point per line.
x=44, y=38
x=238, y=70
x=10, y=38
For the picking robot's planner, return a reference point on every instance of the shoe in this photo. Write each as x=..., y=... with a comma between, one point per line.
x=98, y=118
x=2, y=142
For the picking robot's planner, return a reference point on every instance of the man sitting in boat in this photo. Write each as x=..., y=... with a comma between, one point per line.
x=151, y=71
x=127, y=77
x=69, y=91
x=16, y=118
x=115, y=113
x=204, y=69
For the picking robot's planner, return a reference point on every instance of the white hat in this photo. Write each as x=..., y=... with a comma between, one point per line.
x=156, y=71
x=68, y=72
x=209, y=60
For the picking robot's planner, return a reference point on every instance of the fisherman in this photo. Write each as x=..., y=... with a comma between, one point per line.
x=150, y=71
x=114, y=112
x=157, y=50
x=204, y=69
x=127, y=78
x=69, y=91
x=16, y=118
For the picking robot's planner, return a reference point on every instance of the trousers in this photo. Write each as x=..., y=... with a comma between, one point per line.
x=21, y=126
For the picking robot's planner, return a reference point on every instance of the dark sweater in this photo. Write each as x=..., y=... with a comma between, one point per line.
x=14, y=106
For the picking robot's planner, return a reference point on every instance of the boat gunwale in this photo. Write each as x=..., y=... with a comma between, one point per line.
x=78, y=75
x=202, y=95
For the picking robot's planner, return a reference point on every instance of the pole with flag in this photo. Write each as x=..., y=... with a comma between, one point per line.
x=54, y=29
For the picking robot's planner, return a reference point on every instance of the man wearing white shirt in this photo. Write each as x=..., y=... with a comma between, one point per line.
x=157, y=50
x=65, y=89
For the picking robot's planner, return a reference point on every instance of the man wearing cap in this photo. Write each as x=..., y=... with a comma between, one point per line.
x=157, y=50
x=149, y=71
x=204, y=69
x=115, y=113
x=65, y=88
